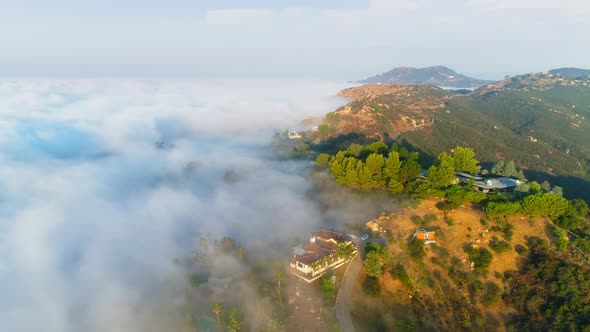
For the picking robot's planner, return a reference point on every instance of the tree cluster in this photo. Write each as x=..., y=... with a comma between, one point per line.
x=374, y=166
x=550, y=292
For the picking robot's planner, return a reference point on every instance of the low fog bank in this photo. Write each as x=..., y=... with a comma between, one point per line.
x=103, y=183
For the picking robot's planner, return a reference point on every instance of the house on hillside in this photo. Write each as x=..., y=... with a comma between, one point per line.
x=425, y=236
x=486, y=185
x=326, y=250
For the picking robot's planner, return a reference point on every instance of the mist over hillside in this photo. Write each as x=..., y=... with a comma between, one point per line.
x=104, y=183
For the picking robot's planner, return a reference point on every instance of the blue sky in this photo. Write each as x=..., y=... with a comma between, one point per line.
x=343, y=39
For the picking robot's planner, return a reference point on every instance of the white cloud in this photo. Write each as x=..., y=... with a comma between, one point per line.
x=93, y=213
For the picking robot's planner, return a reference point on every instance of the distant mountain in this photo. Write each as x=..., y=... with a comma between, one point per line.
x=570, y=72
x=438, y=76
x=540, y=121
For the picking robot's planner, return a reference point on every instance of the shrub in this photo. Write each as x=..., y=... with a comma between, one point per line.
x=481, y=257
x=449, y=221
x=499, y=246
x=582, y=244
x=372, y=287
x=492, y=294
x=372, y=247
x=544, y=204
x=502, y=209
x=435, y=260
x=406, y=326
x=322, y=159
x=560, y=237
x=416, y=249
x=521, y=250
x=373, y=264
x=401, y=274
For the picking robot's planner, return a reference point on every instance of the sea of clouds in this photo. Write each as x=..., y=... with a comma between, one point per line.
x=104, y=182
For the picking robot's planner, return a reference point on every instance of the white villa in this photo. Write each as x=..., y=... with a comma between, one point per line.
x=487, y=184
x=310, y=260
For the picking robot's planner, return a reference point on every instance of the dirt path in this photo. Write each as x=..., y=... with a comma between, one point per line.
x=343, y=300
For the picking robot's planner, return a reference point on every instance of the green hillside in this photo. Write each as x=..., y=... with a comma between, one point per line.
x=540, y=121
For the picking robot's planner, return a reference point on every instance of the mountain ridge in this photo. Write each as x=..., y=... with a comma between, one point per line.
x=435, y=75
x=570, y=72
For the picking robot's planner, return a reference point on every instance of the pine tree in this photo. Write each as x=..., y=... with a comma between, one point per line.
x=364, y=176
x=464, y=160
x=392, y=166
x=498, y=168
x=510, y=170
x=351, y=177
x=442, y=174
x=395, y=187
x=374, y=164
x=409, y=171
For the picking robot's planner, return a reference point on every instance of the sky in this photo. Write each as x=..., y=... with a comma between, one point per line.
x=342, y=40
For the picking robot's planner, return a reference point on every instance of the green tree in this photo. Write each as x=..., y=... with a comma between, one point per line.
x=392, y=166
x=416, y=249
x=355, y=149
x=322, y=159
x=376, y=147
x=409, y=170
x=579, y=207
x=442, y=173
x=492, y=294
x=325, y=130
x=544, y=205
x=328, y=288
x=372, y=247
x=351, y=177
x=535, y=187
x=556, y=190
x=395, y=187
x=422, y=189
x=217, y=312
x=498, y=168
x=337, y=168
x=546, y=186
x=374, y=164
x=502, y=209
x=279, y=278
x=560, y=237
x=510, y=170
x=464, y=160
x=233, y=322
x=575, y=216
x=481, y=258
x=549, y=291
x=364, y=176
x=499, y=246
x=373, y=264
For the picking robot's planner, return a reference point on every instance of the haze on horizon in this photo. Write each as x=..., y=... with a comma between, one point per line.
x=344, y=39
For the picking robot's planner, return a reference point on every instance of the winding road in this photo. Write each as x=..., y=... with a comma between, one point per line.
x=343, y=299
